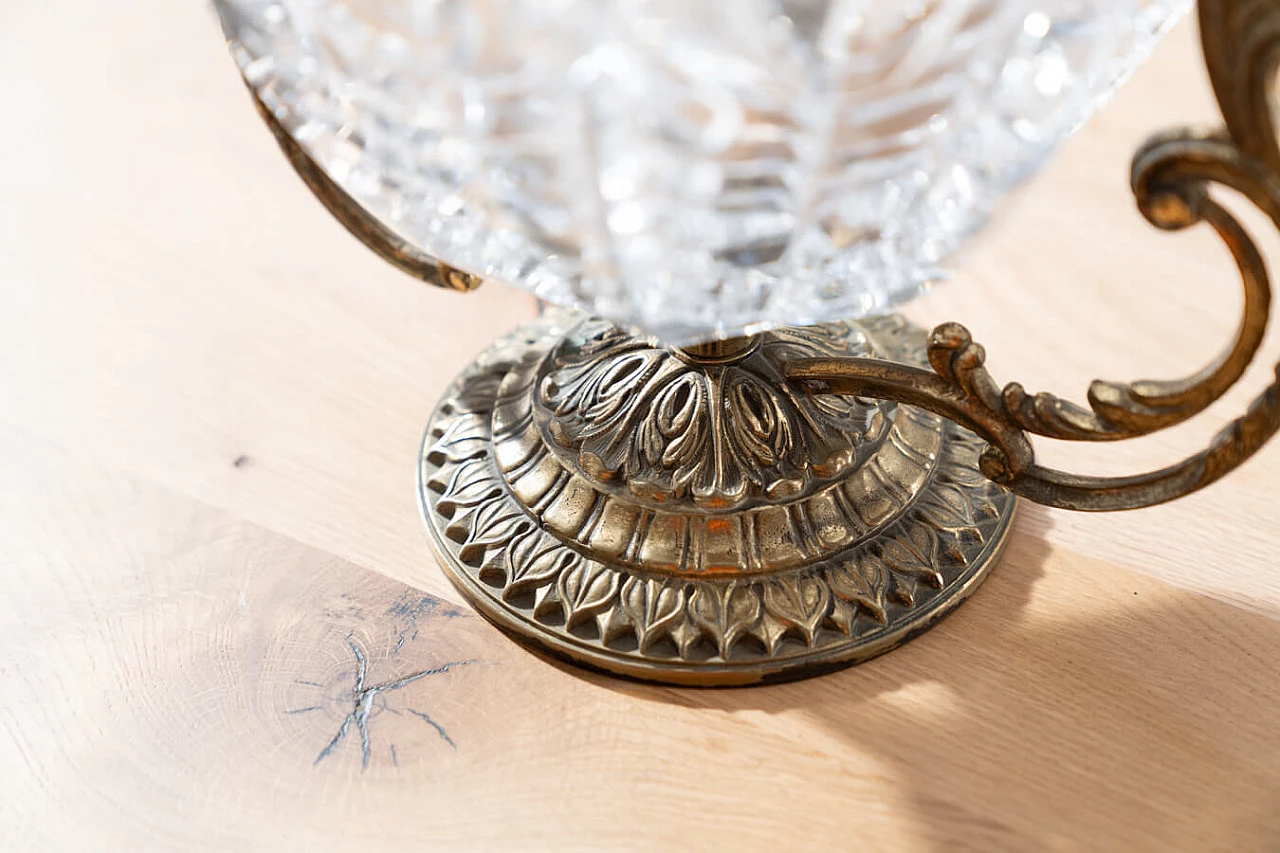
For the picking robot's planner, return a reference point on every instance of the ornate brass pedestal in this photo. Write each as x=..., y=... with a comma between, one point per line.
x=694, y=518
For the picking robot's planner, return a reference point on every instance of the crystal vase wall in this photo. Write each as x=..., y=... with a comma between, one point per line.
x=689, y=168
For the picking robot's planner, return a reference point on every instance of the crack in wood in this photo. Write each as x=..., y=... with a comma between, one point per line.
x=444, y=735
x=363, y=704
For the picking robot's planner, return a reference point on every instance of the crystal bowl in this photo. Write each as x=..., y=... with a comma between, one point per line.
x=685, y=168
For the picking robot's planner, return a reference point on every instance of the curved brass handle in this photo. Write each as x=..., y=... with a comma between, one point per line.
x=1171, y=177
x=382, y=240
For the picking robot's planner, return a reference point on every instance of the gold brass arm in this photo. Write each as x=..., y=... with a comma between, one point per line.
x=1171, y=177
x=385, y=243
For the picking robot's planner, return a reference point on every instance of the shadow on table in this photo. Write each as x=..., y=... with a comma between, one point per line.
x=1106, y=720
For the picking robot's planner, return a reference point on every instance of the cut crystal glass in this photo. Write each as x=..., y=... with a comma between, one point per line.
x=689, y=168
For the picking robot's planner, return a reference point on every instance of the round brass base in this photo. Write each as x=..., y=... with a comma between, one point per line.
x=702, y=522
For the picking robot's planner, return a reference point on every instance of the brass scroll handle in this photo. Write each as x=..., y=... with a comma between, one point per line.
x=1171, y=177
x=388, y=245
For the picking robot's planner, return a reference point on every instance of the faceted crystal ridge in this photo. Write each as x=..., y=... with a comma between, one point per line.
x=689, y=168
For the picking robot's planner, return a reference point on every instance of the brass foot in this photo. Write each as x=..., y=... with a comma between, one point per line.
x=701, y=521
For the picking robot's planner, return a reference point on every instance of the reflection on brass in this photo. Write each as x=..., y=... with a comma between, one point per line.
x=366, y=228
x=1171, y=179
x=777, y=506
x=619, y=505
x=720, y=351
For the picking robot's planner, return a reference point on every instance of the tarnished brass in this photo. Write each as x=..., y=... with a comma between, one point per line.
x=776, y=506
x=631, y=509
x=1171, y=178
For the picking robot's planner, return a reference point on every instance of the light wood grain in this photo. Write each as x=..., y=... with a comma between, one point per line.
x=210, y=403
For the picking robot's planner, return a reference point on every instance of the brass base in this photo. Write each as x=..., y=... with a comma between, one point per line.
x=692, y=518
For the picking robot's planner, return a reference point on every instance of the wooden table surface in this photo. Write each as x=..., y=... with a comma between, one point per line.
x=210, y=405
